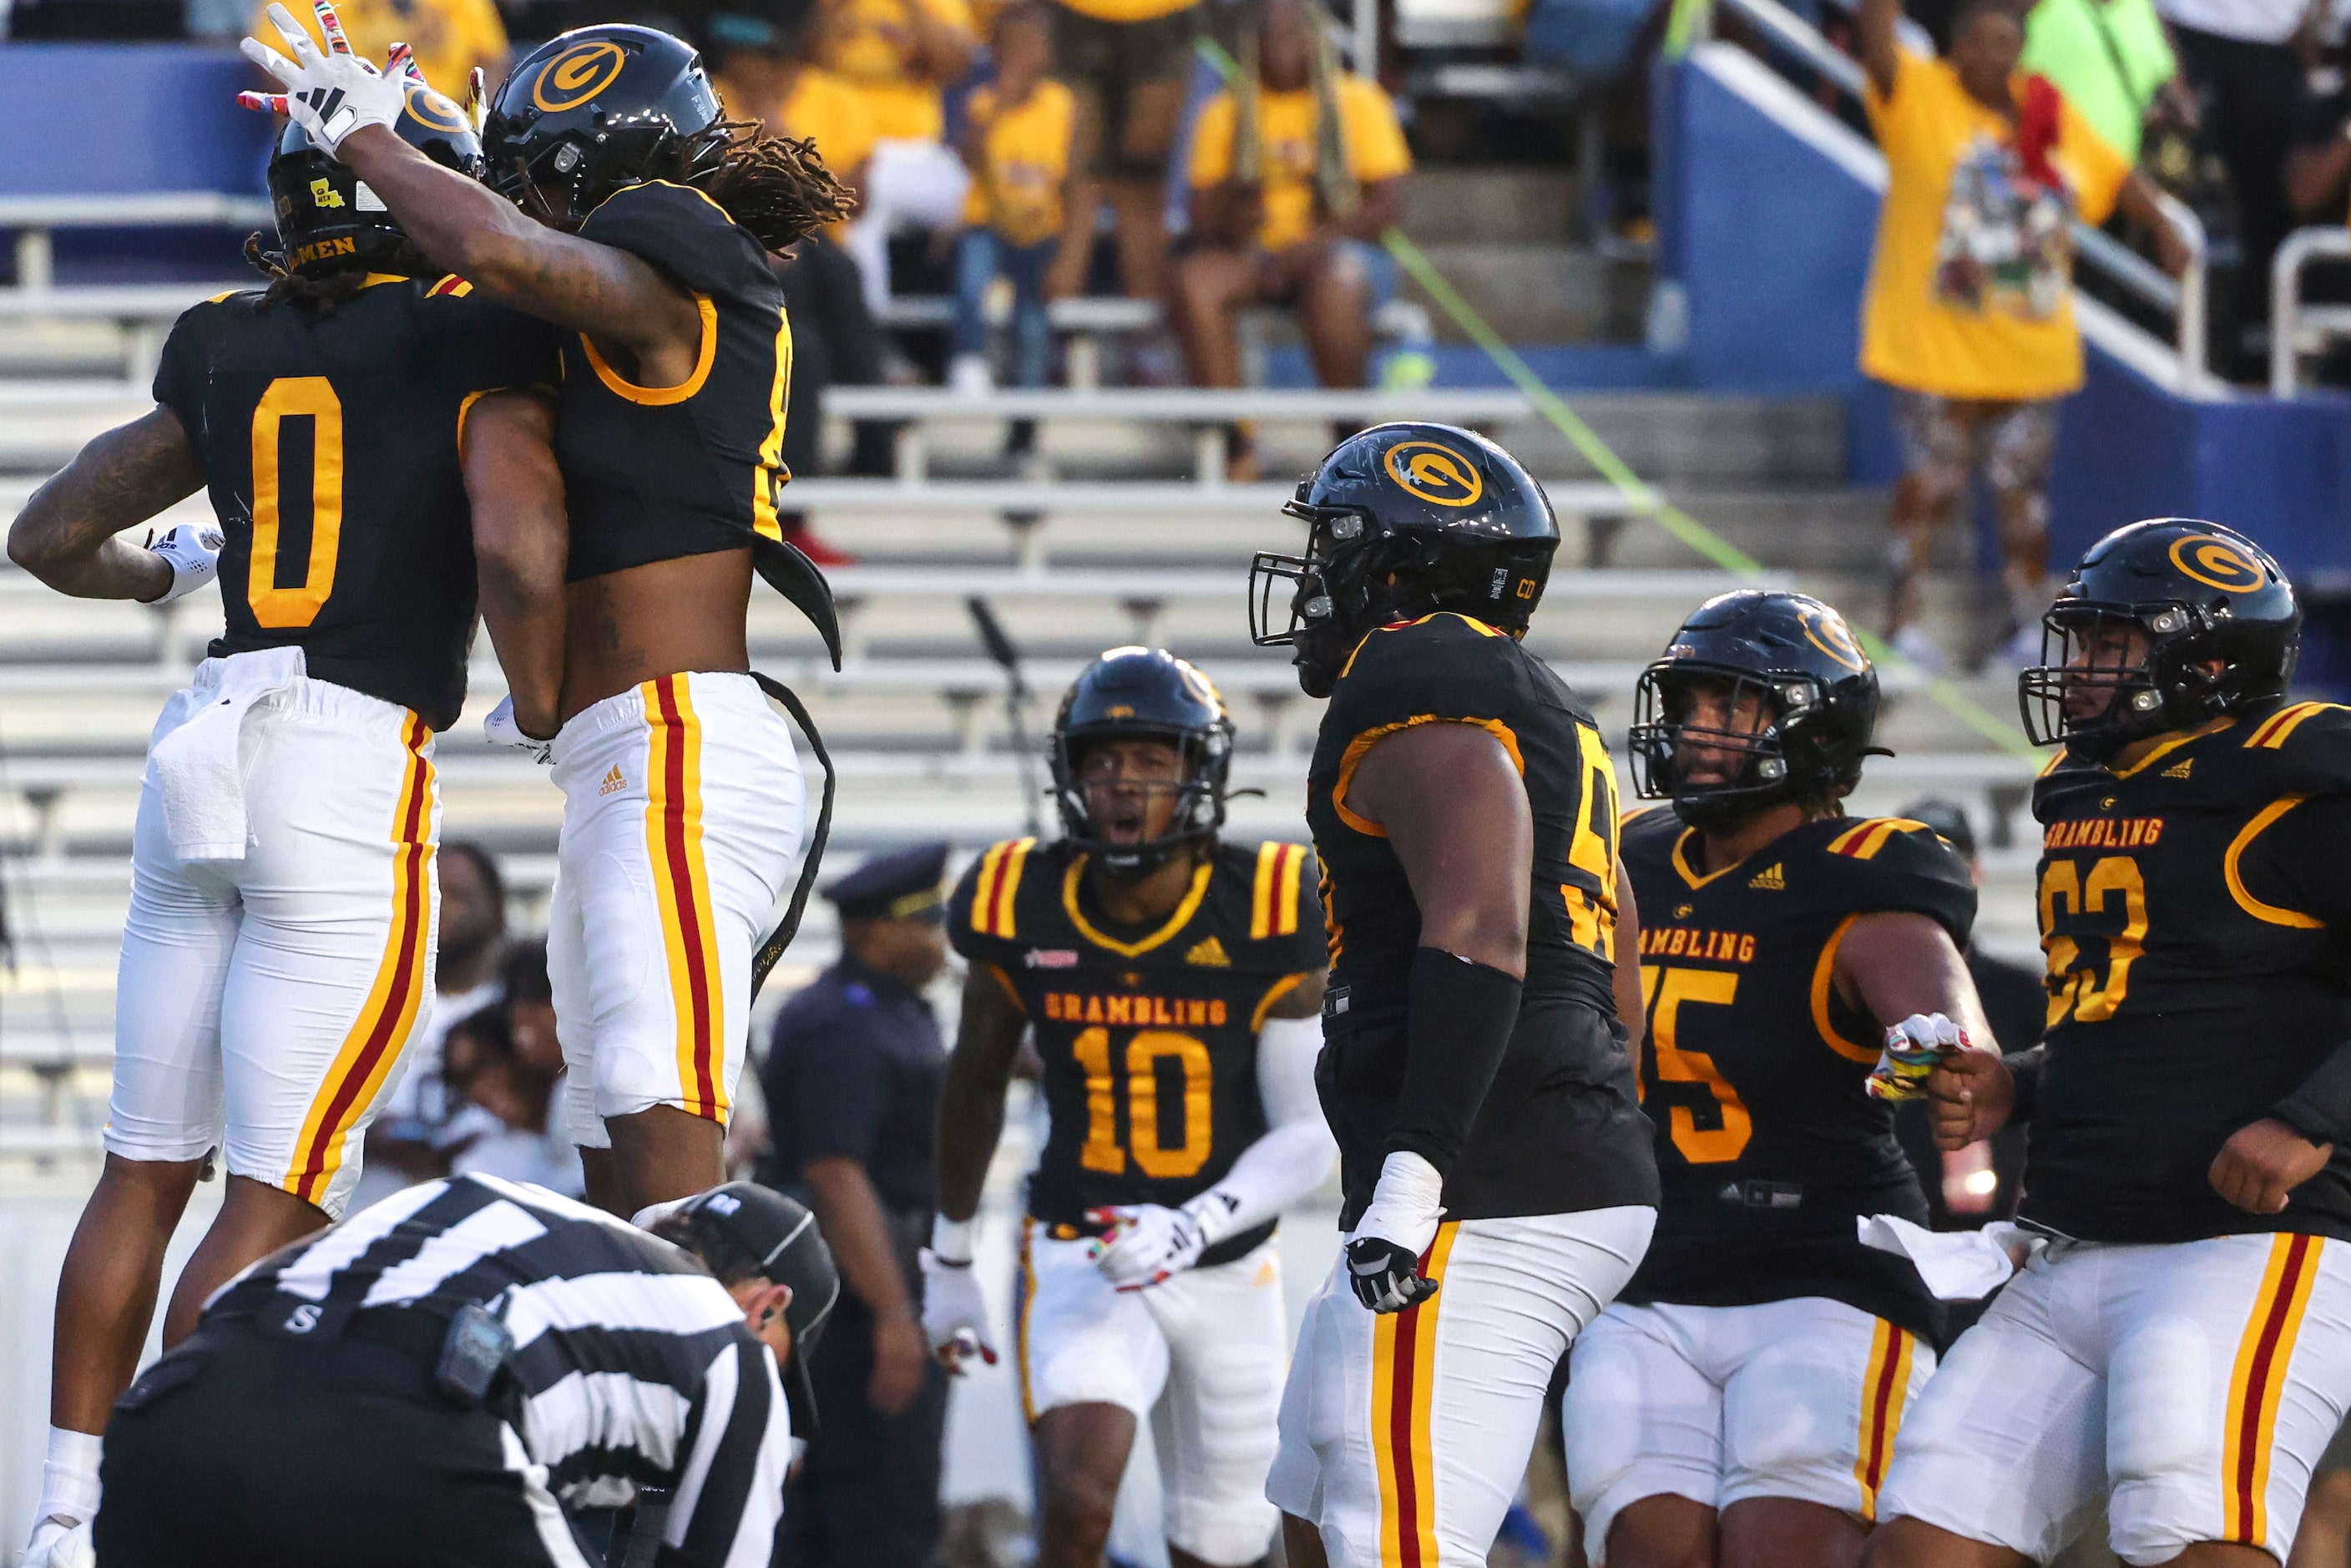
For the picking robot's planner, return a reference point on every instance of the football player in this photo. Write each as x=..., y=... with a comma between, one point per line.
x=640, y=220
x=1738, y=1401
x=2180, y=1348
x=277, y=955
x=1499, y=1185
x=1172, y=982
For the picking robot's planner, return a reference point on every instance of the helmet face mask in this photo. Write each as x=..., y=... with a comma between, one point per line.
x=2164, y=625
x=1130, y=807
x=1404, y=520
x=1762, y=698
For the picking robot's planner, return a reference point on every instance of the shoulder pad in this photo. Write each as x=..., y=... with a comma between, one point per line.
x=1443, y=627
x=984, y=907
x=1281, y=884
x=2311, y=742
x=1895, y=864
x=451, y=287
x=1867, y=838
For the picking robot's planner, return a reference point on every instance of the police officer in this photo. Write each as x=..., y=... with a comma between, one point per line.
x=853, y=1086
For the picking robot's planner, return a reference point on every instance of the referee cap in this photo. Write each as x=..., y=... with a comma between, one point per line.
x=783, y=1236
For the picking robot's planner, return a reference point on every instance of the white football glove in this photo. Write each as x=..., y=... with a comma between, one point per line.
x=502, y=730
x=1383, y=1253
x=192, y=552
x=955, y=1312
x=1149, y=1244
x=328, y=95
x=1913, y=1048
x=60, y=1543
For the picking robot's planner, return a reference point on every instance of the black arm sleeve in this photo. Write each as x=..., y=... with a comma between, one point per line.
x=2321, y=1109
x=2025, y=1067
x=1459, y=1023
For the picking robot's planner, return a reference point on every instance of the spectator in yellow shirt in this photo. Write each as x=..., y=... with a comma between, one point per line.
x=1029, y=215
x=1294, y=177
x=450, y=37
x=899, y=56
x=1969, y=311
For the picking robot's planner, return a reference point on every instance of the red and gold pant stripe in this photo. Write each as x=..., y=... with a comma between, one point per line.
x=1404, y=1377
x=682, y=888
x=372, y=1044
x=1885, y=1388
x=1020, y=1324
x=2262, y=1357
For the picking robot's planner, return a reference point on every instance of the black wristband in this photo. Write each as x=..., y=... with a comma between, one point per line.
x=1457, y=1025
x=2024, y=1071
x=2321, y=1109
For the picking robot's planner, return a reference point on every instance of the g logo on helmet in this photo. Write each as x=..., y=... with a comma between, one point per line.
x=2217, y=563
x=1825, y=629
x=1435, y=473
x=431, y=109
x=577, y=75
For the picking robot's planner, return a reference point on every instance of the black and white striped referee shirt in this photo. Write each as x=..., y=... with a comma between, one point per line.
x=634, y=1366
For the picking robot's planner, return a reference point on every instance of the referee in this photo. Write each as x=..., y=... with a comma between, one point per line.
x=435, y=1379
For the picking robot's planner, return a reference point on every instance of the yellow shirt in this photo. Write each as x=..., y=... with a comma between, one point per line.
x=1127, y=10
x=1286, y=131
x=870, y=43
x=450, y=36
x=831, y=113
x=1970, y=291
x=1024, y=160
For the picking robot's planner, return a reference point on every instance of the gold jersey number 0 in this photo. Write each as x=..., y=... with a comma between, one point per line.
x=290, y=397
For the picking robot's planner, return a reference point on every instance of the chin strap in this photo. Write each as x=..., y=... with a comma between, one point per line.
x=772, y=949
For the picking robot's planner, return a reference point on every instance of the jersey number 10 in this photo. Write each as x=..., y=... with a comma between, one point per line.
x=311, y=397
x=1144, y=1053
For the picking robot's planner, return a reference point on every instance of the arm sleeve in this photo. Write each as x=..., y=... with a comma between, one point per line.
x=2025, y=1067
x=737, y=1446
x=1294, y=1156
x=1212, y=142
x=1459, y=1016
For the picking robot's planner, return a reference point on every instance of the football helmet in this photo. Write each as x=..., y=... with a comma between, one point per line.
x=2164, y=624
x=330, y=221
x=1143, y=692
x=1813, y=687
x=596, y=110
x=1404, y=519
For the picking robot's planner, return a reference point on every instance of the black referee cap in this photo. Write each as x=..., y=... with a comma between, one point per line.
x=783, y=1236
x=908, y=885
x=1949, y=821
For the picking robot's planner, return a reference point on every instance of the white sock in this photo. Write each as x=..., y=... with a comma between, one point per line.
x=69, y=1480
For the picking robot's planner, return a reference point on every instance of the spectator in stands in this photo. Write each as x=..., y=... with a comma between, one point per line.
x=1130, y=63
x=1969, y=312
x=500, y=1126
x=471, y=948
x=900, y=56
x=2112, y=61
x=1029, y=215
x=450, y=36
x=2245, y=60
x=1295, y=171
x=2318, y=164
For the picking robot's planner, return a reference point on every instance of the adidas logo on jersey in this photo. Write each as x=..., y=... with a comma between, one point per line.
x=1771, y=879
x=1208, y=953
x=2179, y=768
x=613, y=781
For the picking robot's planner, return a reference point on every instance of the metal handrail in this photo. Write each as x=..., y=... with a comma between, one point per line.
x=34, y=216
x=2183, y=300
x=2288, y=319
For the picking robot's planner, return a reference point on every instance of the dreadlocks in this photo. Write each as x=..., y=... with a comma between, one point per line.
x=321, y=296
x=775, y=186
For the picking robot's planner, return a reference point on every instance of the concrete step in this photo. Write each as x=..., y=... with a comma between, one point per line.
x=1502, y=205
x=1540, y=293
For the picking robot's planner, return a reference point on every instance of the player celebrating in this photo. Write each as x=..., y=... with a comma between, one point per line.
x=1738, y=1402
x=650, y=220
x=1172, y=983
x=2179, y=1348
x=277, y=955
x=1499, y=1185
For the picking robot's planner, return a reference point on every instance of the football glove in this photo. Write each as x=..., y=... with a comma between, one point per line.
x=328, y=95
x=1913, y=1048
x=60, y=1542
x=192, y=551
x=954, y=1310
x=1384, y=1254
x=502, y=730
x=1149, y=1245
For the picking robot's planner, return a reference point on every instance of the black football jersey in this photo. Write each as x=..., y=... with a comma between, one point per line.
x=329, y=446
x=652, y=473
x=1560, y=1130
x=1148, y=1034
x=2193, y=908
x=1767, y=1144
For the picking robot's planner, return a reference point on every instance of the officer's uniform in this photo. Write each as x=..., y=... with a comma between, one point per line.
x=854, y=1073
x=1762, y=1349
x=277, y=955
x=1149, y=1040
x=2167, y=1348
x=681, y=797
x=1404, y=1435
